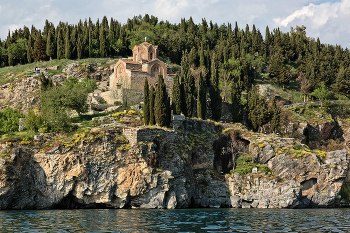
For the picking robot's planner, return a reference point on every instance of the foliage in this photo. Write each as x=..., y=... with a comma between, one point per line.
x=202, y=98
x=259, y=113
x=9, y=120
x=244, y=165
x=152, y=94
x=161, y=103
x=214, y=91
x=59, y=101
x=322, y=93
x=33, y=121
x=237, y=106
x=176, y=96
x=39, y=49
x=146, y=104
x=87, y=84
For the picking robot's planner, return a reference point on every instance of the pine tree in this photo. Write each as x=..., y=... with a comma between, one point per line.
x=237, y=107
x=68, y=47
x=275, y=112
x=259, y=113
x=202, y=98
x=39, y=49
x=146, y=104
x=160, y=103
x=214, y=91
x=50, y=44
x=60, y=45
x=176, y=96
x=189, y=88
x=151, y=106
x=29, y=50
x=103, y=37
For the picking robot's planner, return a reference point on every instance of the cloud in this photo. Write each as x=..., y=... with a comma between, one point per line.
x=327, y=20
x=324, y=18
x=319, y=14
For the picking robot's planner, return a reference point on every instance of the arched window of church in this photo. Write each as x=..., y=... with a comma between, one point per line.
x=151, y=56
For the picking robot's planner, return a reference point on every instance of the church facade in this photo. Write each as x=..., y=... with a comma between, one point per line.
x=131, y=75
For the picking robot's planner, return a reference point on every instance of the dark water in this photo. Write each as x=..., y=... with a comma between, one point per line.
x=188, y=220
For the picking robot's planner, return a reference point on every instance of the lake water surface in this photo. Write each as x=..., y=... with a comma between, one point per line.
x=183, y=220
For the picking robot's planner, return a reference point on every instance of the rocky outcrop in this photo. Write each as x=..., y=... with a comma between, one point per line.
x=21, y=94
x=160, y=168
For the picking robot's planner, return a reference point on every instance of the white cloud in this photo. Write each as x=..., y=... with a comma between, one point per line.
x=321, y=17
x=329, y=21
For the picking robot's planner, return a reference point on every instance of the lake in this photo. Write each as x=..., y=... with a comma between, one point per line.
x=180, y=220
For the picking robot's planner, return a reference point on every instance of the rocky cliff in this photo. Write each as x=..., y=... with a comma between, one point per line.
x=158, y=168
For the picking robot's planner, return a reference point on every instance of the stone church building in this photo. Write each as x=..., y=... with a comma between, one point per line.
x=131, y=75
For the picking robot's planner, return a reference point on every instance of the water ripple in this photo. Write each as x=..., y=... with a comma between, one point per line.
x=184, y=220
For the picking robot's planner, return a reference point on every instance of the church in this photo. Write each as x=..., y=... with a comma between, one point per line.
x=131, y=75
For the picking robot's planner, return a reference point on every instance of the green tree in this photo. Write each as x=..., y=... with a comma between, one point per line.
x=17, y=51
x=189, y=88
x=152, y=93
x=9, y=120
x=29, y=50
x=46, y=83
x=259, y=113
x=230, y=71
x=39, y=49
x=160, y=103
x=202, y=98
x=146, y=104
x=237, y=107
x=60, y=44
x=50, y=44
x=176, y=96
x=214, y=91
x=33, y=121
x=322, y=93
x=68, y=46
x=59, y=101
x=275, y=112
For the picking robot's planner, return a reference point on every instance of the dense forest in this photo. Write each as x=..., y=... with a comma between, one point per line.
x=283, y=55
x=224, y=61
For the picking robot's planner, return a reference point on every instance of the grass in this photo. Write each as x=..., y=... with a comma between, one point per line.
x=244, y=165
x=10, y=73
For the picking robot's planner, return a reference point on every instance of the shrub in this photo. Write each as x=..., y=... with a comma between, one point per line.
x=244, y=165
x=9, y=120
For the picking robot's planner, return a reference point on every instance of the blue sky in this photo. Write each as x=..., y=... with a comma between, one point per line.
x=328, y=20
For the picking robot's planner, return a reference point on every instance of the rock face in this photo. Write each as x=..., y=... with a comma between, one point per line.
x=164, y=169
x=20, y=94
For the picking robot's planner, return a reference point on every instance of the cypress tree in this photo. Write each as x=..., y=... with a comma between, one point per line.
x=176, y=96
x=146, y=104
x=39, y=49
x=214, y=91
x=50, y=44
x=275, y=112
x=151, y=106
x=237, y=107
x=202, y=98
x=29, y=50
x=60, y=45
x=259, y=113
x=103, y=37
x=202, y=57
x=68, y=47
x=189, y=89
x=160, y=103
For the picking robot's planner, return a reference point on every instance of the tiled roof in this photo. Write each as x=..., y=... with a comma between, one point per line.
x=145, y=44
